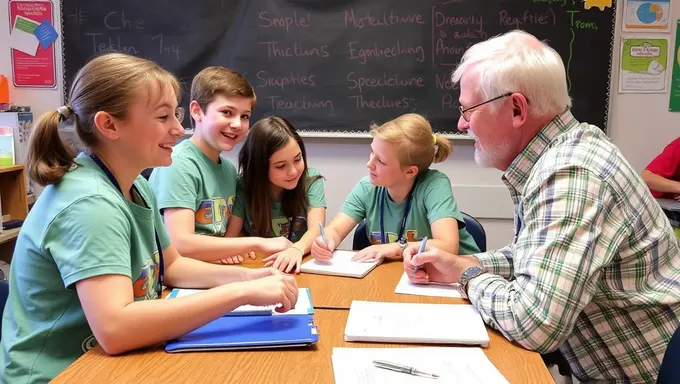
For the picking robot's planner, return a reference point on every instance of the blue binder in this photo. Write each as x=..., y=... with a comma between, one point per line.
x=248, y=332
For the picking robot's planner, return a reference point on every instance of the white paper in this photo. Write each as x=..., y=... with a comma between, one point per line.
x=439, y=290
x=341, y=264
x=23, y=41
x=415, y=323
x=453, y=365
x=302, y=306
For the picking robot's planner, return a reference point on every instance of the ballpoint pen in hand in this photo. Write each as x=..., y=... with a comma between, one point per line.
x=403, y=369
x=420, y=250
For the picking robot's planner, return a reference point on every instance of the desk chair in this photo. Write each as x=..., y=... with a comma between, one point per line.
x=360, y=240
x=669, y=373
x=4, y=292
x=475, y=230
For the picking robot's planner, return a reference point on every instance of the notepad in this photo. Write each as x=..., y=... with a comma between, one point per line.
x=303, y=306
x=406, y=287
x=386, y=322
x=340, y=265
x=468, y=365
x=248, y=332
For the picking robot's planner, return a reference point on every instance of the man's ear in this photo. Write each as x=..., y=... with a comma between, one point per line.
x=106, y=125
x=520, y=109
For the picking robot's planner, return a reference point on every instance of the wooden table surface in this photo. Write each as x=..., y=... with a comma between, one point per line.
x=305, y=365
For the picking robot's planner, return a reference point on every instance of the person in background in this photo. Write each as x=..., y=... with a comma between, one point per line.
x=594, y=267
x=402, y=199
x=196, y=194
x=93, y=255
x=662, y=175
x=277, y=195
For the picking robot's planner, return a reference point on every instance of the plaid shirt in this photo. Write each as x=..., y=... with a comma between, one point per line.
x=594, y=268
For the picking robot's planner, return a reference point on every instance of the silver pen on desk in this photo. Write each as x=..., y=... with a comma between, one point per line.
x=403, y=369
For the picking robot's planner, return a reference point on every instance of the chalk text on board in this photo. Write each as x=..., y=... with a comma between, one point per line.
x=264, y=80
x=278, y=103
x=276, y=49
x=579, y=24
x=114, y=44
x=448, y=102
x=268, y=21
x=385, y=81
x=385, y=21
x=363, y=54
x=441, y=19
x=404, y=102
x=528, y=17
x=117, y=20
x=444, y=82
x=164, y=48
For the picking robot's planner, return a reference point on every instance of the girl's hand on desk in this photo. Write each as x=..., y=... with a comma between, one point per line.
x=238, y=259
x=272, y=290
x=376, y=252
x=285, y=261
x=321, y=251
x=274, y=245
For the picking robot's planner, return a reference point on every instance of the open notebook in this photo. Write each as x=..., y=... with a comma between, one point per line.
x=464, y=365
x=386, y=322
x=340, y=265
x=302, y=307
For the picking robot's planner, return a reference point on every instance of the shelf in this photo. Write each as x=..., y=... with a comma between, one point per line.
x=9, y=235
x=11, y=168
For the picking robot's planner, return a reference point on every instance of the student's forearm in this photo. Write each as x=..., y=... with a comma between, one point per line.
x=660, y=183
x=211, y=248
x=444, y=245
x=189, y=273
x=163, y=320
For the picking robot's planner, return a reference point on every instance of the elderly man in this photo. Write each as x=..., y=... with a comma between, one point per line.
x=594, y=267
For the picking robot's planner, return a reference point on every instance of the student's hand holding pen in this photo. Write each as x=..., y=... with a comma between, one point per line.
x=324, y=245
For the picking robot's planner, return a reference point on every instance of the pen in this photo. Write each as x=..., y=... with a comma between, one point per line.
x=420, y=250
x=323, y=234
x=403, y=369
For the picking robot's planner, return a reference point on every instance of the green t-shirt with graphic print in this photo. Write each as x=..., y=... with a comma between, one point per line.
x=279, y=222
x=79, y=228
x=432, y=200
x=196, y=182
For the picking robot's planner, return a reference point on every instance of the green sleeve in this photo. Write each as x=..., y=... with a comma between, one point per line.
x=239, y=209
x=149, y=196
x=89, y=238
x=355, y=203
x=315, y=191
x=439, y=201
x=176, y=186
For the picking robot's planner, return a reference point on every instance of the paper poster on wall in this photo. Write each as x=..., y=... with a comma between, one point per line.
x=646, y=15
x=643, y=65
x=31, y=43
x=674, y=99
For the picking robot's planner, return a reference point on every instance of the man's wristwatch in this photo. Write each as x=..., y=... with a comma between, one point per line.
x=468, y=275
x=402, y=243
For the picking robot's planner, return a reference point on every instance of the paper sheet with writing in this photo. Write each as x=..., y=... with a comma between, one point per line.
x=415, y=323
x=302, y=307
x=440, y=290
x=340, y=265
x=467, y=365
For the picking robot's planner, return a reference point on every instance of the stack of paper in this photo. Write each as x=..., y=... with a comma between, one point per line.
x=340, y=265
x=434, y=289
x=302, y=307
x=451, y=365
x=385, y=322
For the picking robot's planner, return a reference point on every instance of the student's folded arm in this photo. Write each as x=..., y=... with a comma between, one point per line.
x=442, y=213
x=121, y=324
x=444, y=235
x=562, y=251
x=180, y=225
x=185, y=272
x=341, y=225
x=660, y=183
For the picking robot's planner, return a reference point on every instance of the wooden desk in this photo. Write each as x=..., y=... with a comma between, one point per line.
x=307, y=365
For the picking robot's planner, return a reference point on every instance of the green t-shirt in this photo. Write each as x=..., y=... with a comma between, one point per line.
x=195, y=182
x=432, y=200
x=79, y=228
x=281, y=223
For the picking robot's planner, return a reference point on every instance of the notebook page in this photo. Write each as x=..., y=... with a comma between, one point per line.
x=415, y=322
x=466, y=365
x=301, y=307
x=440, y=290
x=340, y=264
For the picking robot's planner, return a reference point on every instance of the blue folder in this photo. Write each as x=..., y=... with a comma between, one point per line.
x=248, y=332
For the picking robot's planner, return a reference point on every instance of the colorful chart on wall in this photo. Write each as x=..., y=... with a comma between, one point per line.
x=647, y=16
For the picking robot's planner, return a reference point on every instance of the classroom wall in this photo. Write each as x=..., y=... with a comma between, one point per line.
x=479, y=191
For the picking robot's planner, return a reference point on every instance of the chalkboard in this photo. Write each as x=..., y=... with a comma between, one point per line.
x=337, y=65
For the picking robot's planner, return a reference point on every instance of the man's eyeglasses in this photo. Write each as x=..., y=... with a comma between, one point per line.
x=467, y=111
x=179, y=114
